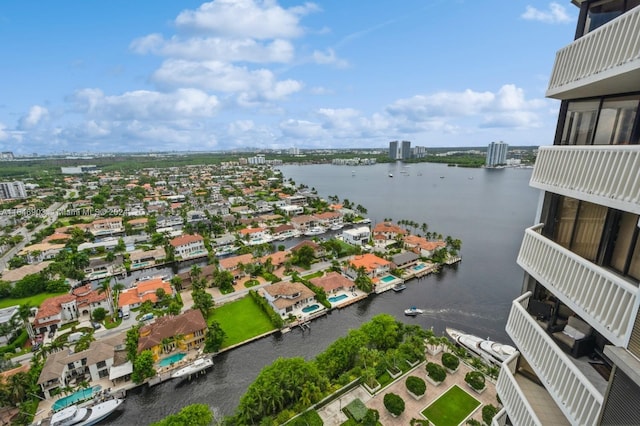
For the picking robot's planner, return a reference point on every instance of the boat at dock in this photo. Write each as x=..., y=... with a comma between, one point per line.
x=398, y=287
x=195, y=367
x=413, y=311
x=77, y=415
x=315, y=230
x=488, y=350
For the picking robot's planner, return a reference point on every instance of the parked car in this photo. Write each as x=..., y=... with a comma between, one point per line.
x=96, y=325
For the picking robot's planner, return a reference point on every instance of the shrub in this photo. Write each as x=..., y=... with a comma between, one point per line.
x=416, y=385
x=436, y=372
x=450, y=361
x=475, y=379
x=394, y=403
x=488, y=412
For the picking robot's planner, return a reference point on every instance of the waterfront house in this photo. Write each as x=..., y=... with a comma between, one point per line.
x=36, y=253
x=101, y=268
x=66, y=368
x=333, y=282
x=139, y=224
x=422, y=246
x=292, y=210
x=304, y=222
x=373, y=266
x=318, y=250
x=329, y=219
x=357, y=236
x=183, y=332
x=405, y=260
x=232, y=264
x=254, y=236
x=189, y=246
x=284, y=297
x=388, y=230
x=283, y=232
x=10, y=321
x=107, y=226
x=141, y=259
x=146, y=290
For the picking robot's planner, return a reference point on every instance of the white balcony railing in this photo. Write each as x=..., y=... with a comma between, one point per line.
x=607, y=60
x=605, y=175
x=607, y=302
x=576, y=397
x=513, y=399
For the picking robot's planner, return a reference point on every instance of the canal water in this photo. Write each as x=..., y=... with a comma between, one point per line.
x=487, y=210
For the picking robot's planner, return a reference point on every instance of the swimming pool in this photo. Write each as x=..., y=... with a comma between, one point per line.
x=419, y=267
x=335, y=299
x=388, y=278
x=171, y=359
x=311, y=308
x=78, y=396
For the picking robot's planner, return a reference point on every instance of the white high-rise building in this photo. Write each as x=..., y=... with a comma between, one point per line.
x=10, y=190
x=496, y=154
x=576, y=324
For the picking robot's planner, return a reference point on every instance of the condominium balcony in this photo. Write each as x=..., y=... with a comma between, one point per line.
x=606, y=301
x=604, y=175
x=572, y=392
x=525, y=402
x=605, y=61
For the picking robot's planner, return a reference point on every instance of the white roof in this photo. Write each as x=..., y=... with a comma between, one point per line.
x=120, y=370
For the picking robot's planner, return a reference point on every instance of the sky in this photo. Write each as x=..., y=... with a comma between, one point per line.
x=166, y=75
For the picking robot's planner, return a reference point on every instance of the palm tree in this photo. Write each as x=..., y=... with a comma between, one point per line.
x=105, y=287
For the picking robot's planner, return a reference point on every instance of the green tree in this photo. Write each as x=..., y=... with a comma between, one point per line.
x=191, y=415
x=99, y=314
x=176, y=282
x=394, y=403
x=488, y=413
x=215, y=337
x=203, y=301
x=143, y=367
x=303, y=256
x=131, y=343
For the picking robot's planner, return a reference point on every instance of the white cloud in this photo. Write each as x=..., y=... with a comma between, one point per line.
x=146, y=105
x=36, y=114
x=224, y=77
x=215, y=48
x=302, y=129
x=556, y=14
x=329, y=57
x=4, y=135
x=245, y=18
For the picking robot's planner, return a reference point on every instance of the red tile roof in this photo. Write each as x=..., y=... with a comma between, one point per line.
x=186, y=239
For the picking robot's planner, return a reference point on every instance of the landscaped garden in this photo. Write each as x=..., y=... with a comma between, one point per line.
x=240, y=320
x=451, y=408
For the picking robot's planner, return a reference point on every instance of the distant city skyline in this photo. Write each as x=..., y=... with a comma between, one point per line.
x=226, y=75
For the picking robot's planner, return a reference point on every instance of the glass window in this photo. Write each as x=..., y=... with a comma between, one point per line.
x=565, y=219
x=588, y=230
x=580, y=123
x=634, y=265
x=602, y=12
x=622, y=241
x=615, y=122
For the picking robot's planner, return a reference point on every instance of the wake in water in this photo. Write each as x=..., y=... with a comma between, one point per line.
x=443, y=313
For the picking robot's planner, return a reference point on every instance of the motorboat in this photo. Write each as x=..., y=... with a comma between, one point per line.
x=398, y=287
x=488, y=350
x=390, y=175
x=83, y=416
x=195, y=367
x=413, y=311
x=315, y=230
x=336, y=226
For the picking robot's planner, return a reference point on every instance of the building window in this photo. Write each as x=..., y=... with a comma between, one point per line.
x=624, y=249
x=615, y=121
x=103, y=373
x=579, y=226
x=101, y=364
x=580, y=122
x=602, y=12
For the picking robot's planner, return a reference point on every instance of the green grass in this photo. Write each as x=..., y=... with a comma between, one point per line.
x=451, y=408
x=314, y=275
x=31, y=300
x=241, y=320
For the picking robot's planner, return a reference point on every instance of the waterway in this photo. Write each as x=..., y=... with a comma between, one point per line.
x=487, y=209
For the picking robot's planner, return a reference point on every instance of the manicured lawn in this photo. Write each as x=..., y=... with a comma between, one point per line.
x=451, y=408
x=314, y=275
x=32, y=300
x=241, y=320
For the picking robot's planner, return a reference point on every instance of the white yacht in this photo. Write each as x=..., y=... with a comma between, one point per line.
x=315, y=230
x=486, y=349
x=196, y=366
x=413, y=311
x=83, y=416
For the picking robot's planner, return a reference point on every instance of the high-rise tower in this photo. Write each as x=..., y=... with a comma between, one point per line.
x=576, y=324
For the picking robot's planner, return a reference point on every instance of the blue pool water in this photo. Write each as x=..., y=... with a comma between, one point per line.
x=419, y=267
x=387, y=278
x=335, y=299
x=81, y=395
x=310, y=308
x=171, y=359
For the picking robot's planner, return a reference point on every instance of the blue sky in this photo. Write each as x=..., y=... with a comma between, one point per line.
x=156, y=75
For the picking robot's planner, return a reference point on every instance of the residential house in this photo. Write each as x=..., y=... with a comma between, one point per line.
x=357, y=236
x=67, y=369
x=146, y=290
x=374, y=267
x=10, y=321
x=14, y=275
x=189, y=246
x=206, y=273
x=318, y=251
x=333, y=282
x=405, y=260
x=88, y=300
x=36, y=253
x=292, y=210
x=107, y=226
x=284, y=297
x=283, y=232
x=141, y=259
x=167, y=333
x=330, y=220
x=255, y=236
x=422, y=246
x=232, y=264
x=59, y=310
x=139, y=224
x=100, y=268
x=304, y=222
x=389, y=231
